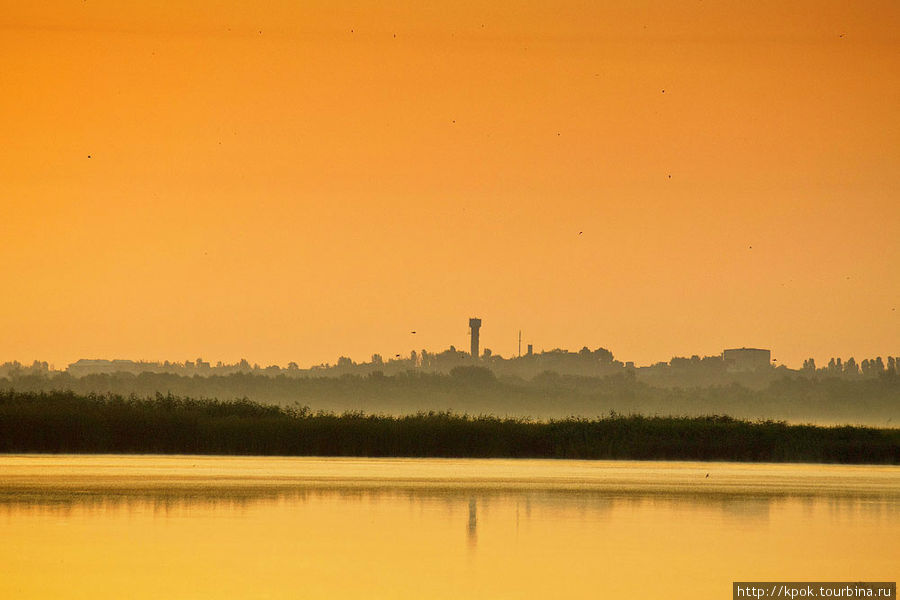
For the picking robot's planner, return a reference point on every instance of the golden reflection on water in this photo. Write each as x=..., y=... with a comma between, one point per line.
x=161, y=527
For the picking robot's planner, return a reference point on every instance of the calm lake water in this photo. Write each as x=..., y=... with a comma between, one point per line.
x=232, y=527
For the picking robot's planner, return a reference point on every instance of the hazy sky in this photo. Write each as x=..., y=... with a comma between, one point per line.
x=283, y=180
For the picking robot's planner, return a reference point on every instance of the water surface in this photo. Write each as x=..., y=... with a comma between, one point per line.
x=234, y=527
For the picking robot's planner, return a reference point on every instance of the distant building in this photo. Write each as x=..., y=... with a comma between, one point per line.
x=474, y=326
x=88, y=366
x=746, y=359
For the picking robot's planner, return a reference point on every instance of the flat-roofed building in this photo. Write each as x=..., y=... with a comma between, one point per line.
x=746, y=359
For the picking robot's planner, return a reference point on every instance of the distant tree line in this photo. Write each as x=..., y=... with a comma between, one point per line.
x=476, y=389
x=71, y=423
x=694, y=371
x=869, y=367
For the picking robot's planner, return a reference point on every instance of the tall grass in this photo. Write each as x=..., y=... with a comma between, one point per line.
x=59, y=422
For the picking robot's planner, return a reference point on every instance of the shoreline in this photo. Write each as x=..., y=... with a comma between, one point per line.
x=65, y=423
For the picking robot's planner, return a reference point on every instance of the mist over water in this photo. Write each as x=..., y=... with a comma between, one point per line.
x=214, y=527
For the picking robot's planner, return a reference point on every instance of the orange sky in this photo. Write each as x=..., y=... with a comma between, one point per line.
x=284, y=180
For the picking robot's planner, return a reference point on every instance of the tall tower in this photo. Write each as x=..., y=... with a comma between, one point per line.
x=474, y=325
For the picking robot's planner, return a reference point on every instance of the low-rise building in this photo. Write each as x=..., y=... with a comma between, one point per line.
x=746, y=359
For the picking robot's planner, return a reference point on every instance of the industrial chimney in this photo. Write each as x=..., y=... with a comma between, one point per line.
x=474, y=325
